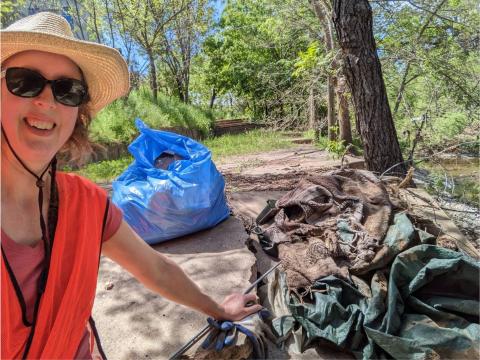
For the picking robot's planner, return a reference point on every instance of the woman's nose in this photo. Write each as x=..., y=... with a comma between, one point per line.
x=46, y=99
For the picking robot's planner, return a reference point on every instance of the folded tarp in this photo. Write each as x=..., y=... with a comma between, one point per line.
x=428, y=307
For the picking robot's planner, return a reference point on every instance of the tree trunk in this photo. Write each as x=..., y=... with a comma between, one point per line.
x=186, y=86
x=401, y=89
x=79, y=19
x=322, y=11
x=180, y=89
x=110, y=24
x=153, y=74
x=213, y=97
x=312, y=111
x=345, y=129
x=97, y=33
x=353, y=24
x=344, y=120
x=332, y=124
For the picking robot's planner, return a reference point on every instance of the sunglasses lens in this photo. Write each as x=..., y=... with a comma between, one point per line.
x=28, y=83
x=24, y=82
x=69, y=92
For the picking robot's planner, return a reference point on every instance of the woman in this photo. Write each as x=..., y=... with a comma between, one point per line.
x=55, y=225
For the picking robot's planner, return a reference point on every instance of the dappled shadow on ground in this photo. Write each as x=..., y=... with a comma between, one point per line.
x=226, y=236
x=133, y=322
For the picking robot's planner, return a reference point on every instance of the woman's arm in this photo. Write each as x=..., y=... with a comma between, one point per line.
x=165, y=277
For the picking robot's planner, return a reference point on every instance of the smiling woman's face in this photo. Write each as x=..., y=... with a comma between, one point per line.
x=38, y=127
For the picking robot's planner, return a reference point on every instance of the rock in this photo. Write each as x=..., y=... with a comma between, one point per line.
x=109, y=286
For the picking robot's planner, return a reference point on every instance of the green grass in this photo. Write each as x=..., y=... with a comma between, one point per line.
x=105, y=171
x=115, y=123
x=309, y=134
x=254, y=141
x=337, y=147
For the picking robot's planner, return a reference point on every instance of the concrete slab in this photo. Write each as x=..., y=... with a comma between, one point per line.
x=425, y=206
x=251, y=203
x=135, y=323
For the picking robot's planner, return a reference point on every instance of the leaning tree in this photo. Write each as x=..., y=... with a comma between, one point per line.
x=353, y=24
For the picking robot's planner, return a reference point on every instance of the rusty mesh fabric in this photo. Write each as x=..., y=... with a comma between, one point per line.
x=330, y=224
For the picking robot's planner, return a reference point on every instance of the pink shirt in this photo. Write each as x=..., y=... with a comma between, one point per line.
x=26, y=263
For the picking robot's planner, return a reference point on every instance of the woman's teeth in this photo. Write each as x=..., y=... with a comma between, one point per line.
x=42, y=125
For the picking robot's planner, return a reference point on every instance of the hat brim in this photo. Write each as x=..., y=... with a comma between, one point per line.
x=104, y=69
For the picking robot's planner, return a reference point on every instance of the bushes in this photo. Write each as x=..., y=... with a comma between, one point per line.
x=337, y=148
x=448, y=125
x=439, y=132
x=115, y=123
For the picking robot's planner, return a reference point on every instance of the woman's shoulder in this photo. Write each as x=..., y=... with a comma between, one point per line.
x=71, y=181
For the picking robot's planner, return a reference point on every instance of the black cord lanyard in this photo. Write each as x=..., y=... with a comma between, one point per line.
x=42, y=281
x=47, y=241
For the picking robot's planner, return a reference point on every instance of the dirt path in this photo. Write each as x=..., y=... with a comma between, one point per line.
x=278, y=169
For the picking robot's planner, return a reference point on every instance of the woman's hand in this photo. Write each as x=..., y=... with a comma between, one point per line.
x=237, y=306
x=162, y=275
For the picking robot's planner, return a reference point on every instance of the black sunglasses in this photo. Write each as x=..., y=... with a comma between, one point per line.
x=29, y=83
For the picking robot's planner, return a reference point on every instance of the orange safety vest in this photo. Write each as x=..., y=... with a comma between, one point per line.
x=66, y=305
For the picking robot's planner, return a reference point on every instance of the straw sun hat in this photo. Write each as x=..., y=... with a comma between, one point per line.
x=104, y=69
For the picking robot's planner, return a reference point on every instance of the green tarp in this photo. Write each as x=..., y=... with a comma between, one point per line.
x=427, y=309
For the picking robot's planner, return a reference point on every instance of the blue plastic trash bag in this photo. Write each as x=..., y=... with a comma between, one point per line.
x=164, y=204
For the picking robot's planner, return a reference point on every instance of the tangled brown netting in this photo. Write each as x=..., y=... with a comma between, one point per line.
x=330, y=224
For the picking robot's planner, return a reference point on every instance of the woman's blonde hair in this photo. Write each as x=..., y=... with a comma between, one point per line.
x=78, y=148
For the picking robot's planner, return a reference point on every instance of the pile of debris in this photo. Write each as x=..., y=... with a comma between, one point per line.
x=366, y=268
x=362, y=272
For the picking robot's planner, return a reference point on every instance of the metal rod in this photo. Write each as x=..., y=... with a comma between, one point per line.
x=251, y=287
x=207, y=327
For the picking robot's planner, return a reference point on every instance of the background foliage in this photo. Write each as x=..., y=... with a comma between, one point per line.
x=193, y=61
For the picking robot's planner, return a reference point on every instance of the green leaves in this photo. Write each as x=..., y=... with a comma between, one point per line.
x=10, y=11
x=430, y=64
x=254, y=51
x=307, y=60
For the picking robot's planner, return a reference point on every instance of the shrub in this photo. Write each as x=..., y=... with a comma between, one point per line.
x=115, y=123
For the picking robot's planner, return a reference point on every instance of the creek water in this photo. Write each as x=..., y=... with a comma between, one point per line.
x=456, y=176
